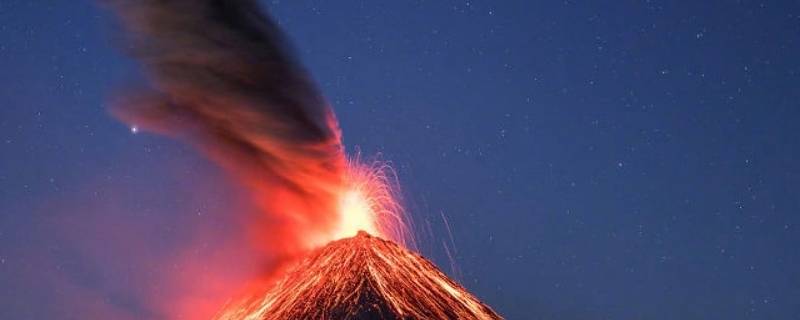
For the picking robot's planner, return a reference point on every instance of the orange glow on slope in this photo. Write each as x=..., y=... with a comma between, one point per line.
x=361, y=277
x=367, y=203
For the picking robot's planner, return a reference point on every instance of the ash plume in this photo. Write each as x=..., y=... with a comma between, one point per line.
x=221, y=76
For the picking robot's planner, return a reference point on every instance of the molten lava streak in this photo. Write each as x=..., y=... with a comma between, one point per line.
x=362, y=277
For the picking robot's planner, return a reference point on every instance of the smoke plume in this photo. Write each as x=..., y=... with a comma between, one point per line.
x=221, y=76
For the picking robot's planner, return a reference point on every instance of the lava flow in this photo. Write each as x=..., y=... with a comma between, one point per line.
x=222, y=78
x=362, y=277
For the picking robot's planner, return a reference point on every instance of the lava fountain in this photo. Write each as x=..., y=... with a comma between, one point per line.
x=221, y=77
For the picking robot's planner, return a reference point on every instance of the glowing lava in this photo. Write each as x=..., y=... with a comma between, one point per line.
x=362, y=277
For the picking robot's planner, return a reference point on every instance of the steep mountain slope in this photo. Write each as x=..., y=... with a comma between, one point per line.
x=363, y=277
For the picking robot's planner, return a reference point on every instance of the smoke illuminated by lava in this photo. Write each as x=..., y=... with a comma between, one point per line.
x=222, y=78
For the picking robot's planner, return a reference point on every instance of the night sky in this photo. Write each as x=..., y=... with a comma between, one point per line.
x=598, y=160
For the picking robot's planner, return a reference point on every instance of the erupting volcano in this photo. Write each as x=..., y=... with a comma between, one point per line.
x=362, y=277
x=222, y=78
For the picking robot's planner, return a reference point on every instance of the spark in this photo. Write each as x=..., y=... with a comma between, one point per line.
x=369, y=202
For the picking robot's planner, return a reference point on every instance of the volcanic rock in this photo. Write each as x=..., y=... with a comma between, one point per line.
x=363, y=277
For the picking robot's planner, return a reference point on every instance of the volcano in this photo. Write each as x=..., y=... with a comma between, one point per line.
x=362, y=277
x=223, y=78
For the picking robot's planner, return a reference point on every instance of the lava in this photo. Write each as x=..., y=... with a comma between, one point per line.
x=362, y=277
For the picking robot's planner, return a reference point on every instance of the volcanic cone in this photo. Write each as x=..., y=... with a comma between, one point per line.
x=362, y=277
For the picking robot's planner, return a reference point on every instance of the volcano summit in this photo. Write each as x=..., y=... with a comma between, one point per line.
x=362, y=277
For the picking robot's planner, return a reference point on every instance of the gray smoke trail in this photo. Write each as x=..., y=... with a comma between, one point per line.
x=222, y=77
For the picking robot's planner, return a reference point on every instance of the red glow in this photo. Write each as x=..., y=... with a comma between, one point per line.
x=368, y=202
x=222, y=80
x=365, y=198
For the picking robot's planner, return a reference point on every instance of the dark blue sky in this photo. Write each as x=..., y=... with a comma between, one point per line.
x=602, y=160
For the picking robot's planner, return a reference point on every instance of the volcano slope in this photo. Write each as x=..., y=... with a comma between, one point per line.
x=362, y=277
